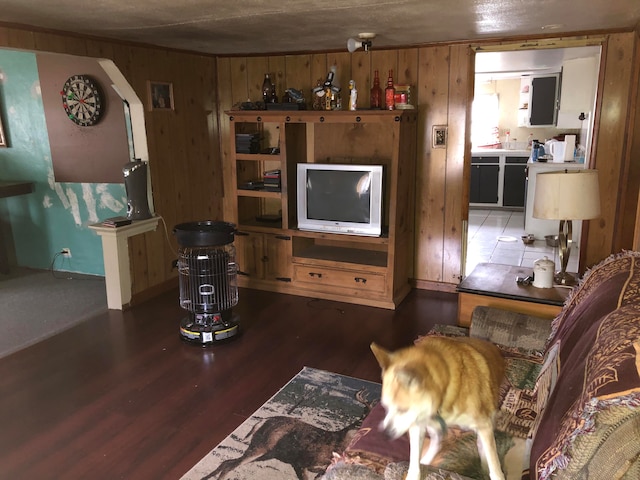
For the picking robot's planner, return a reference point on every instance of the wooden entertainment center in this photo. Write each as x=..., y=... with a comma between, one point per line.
x=272, y=253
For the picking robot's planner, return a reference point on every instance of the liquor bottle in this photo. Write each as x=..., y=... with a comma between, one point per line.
x=266, y=88
x=376, y=92
x=353, y=95
x=390, y=93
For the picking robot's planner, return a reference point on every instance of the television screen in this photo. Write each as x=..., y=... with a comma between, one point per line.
x=342, y=197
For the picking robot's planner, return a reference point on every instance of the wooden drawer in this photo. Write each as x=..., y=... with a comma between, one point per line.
x=339, y=279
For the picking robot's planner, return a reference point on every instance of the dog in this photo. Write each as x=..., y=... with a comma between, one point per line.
x=442, y=381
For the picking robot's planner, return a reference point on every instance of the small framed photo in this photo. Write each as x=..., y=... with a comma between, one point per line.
x=439, y=136
x=160, y=95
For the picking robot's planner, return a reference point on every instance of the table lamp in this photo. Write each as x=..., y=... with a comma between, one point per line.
x=566, y=195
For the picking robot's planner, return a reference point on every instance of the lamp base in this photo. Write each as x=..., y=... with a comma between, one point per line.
x=564, y=278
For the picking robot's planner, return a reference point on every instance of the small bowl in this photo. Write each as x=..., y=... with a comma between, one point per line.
x=528, y=239
x=552, y=240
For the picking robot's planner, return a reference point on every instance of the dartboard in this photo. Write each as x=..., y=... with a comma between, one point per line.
x=82, y=100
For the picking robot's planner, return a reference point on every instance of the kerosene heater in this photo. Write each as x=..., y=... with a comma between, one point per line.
x=208, y=281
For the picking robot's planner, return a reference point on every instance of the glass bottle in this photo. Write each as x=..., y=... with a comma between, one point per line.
x=390, y=93
x=376, y=92
x=266, y=88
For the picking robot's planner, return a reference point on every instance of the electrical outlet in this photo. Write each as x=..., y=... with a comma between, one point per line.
x=66, y=252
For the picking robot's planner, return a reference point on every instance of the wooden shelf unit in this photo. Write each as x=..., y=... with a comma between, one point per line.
x=274, y=255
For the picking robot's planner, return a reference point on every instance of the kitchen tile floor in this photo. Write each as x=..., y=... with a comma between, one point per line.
x=494, y=236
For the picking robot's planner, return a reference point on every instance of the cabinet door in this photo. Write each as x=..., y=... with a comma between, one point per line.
x=250, y=254
x=543, y=100
x=484, y=184
x=514, y=185
x=263, y=256
x=277, y=252
x=578, y=90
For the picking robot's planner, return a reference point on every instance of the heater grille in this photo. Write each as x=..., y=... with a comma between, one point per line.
x=208, y=279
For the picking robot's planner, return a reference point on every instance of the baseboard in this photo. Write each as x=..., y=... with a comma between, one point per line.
x=152, y=292
x=435, y=286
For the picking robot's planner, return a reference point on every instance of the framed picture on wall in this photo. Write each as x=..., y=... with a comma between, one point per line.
x=160, y=95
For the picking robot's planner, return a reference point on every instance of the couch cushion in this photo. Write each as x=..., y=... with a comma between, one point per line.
x=516, y=334
x=590, y=385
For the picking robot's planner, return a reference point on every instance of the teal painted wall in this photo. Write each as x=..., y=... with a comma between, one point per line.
x=56, y=215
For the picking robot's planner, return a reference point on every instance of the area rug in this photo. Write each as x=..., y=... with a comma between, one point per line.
x=295, y=433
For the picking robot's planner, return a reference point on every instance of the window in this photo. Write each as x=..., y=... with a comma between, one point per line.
x=484, y=120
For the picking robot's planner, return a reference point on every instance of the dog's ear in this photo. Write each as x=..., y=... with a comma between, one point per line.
x=410, y=376
x=382, y=355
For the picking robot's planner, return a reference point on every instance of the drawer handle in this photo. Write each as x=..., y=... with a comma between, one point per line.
x=360, y=280
x=314, y=274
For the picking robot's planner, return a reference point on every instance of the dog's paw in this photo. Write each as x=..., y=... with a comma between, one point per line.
x=413, y=474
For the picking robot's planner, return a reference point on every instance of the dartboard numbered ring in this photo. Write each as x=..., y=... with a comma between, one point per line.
x=82, y=100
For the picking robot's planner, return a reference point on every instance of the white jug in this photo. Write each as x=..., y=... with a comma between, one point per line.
x=569, y=147
x=556, y=149
x=543, y=269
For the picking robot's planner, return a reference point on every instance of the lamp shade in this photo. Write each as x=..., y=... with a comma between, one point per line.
x=567, y=195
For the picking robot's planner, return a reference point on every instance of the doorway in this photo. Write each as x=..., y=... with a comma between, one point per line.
x=501, y=197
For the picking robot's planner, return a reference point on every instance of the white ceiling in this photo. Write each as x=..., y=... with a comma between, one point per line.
x=288, y=26
x=495, y=65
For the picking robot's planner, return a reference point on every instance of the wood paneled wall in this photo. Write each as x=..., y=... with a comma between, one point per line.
x=184, y=158
x=616, y=149
x=442, y=87
x=186, y=146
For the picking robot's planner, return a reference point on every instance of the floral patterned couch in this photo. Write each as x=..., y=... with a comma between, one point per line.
x=570, y=402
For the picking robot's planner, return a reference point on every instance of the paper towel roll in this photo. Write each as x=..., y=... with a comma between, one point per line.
x=569, y=147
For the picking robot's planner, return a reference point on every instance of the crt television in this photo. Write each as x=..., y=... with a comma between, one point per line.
x=340, y=198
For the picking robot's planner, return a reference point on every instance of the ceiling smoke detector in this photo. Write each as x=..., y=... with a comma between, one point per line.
x=363, y=42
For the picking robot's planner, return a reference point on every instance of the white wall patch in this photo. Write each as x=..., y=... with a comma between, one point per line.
x=56, y=187
x=75, y=208
x=107, y=200
x=90, y=202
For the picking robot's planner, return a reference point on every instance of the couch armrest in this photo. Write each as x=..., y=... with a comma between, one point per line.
x=517, y=333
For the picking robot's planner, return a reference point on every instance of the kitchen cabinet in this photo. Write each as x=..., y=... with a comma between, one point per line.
x=498, y=178
x=485, y=173
x=538, y=103
x=578, y=90
x=515, y=178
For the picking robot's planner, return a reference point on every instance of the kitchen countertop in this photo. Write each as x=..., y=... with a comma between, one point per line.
x=500, y=151
x=556, y=164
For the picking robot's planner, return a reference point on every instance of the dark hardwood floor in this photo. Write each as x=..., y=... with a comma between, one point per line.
x=121, y=396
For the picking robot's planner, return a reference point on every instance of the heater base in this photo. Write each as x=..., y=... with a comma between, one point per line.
x=203, y=334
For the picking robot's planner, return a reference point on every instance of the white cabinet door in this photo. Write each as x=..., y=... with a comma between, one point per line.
x=578, y=91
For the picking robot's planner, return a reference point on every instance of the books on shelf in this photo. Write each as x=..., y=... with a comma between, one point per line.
x=271, y=179
x=247, y=142
x=116, y=222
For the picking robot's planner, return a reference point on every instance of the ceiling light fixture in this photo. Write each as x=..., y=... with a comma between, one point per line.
x=364, y=42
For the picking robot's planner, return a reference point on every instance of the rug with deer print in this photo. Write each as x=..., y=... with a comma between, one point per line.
x=293, y=435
